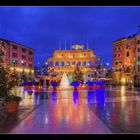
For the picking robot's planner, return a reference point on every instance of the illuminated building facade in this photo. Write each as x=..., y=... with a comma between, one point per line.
x=124, y=60
x=137, y=67
x=20, y=58
x=66, y=60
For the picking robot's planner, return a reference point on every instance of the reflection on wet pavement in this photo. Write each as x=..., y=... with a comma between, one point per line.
x=97, y=111
x=119, y=117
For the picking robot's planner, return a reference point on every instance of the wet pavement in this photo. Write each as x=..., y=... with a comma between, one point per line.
x=26, y=107
x=110, y=110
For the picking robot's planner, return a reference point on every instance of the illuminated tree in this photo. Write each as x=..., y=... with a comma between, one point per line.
x=77, y=75
x=8, y=80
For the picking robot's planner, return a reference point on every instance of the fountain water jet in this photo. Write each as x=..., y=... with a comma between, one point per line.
x=64, y=84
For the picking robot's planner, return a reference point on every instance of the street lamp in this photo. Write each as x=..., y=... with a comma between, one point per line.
x=107, y=64
x=22, y=61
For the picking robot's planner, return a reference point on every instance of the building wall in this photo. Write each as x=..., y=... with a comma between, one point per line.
x=118, y=59
x=137, y=63
x=20, y=67
x=66, y=60
x=124, y=60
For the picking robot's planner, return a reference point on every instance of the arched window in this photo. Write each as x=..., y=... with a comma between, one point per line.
x=79, y=63
x=62, y=63
x=73, y=63
x=68, y=63
x=84, y=63
x=51, y=63
x=90, y=62
x=56, y=63
x=127, y=54
x=138, y=41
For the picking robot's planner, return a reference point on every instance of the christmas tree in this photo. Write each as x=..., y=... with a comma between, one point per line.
x=8, y=80
x=77, y=75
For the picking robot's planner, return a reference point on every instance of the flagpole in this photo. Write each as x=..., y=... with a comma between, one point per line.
x=87, y=44
x=65, y=44
x=59, y=44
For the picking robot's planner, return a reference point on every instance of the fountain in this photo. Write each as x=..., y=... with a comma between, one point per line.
x=64, y=84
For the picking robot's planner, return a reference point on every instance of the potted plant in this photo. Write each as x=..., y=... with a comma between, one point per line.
x=90, y=84
x=8, y=81
x=54, y=85
x=75, y=84
x=12, y=103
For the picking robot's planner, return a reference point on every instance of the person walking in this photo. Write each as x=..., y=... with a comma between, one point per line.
x=41, y=82
x=47, y=83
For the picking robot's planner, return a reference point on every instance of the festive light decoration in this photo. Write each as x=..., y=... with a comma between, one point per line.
x=8, y=79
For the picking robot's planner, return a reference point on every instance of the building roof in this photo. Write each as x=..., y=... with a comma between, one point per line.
x=15, y=43
x=119, y=39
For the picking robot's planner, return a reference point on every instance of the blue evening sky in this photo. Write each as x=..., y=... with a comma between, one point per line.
x=41, y=27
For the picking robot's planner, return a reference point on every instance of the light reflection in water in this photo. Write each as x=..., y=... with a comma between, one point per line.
x=68, y=112
x=54, y=95
x=90, y=96
x=100, y=97
x=123, y=98
x=75, y=97
x=29, y=97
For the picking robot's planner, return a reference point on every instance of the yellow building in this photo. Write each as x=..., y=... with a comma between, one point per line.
x=124, y=60
x=66, y=60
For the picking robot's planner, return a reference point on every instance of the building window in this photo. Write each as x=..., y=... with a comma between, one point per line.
x=120, y=62
x=116, y=63
x=120, y=69
x=115, y=55
x=23, y=50
x=79, y=63
x=127, y=46
x=1, y=53
x=68, y=63
x=84, y=63
x=56, y=63
x=138, y=68
x=90, y=62
x=23, y=57
x=62, y=54
x=30, y=53
x=73, y=55
x=14, y=54
x=73, y=63
x=14, y=47
x=84, y=54
x=51, y=63
x=14, y=61
x=24, y=64
x=138, y=41
x=138, y=58
x=30, y=65
x=30, y=59
x=62, y=63
x=127, y=54
x=116, y=69
x=138, y=49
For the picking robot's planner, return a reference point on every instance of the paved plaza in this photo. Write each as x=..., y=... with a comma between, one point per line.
x=110, y=110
